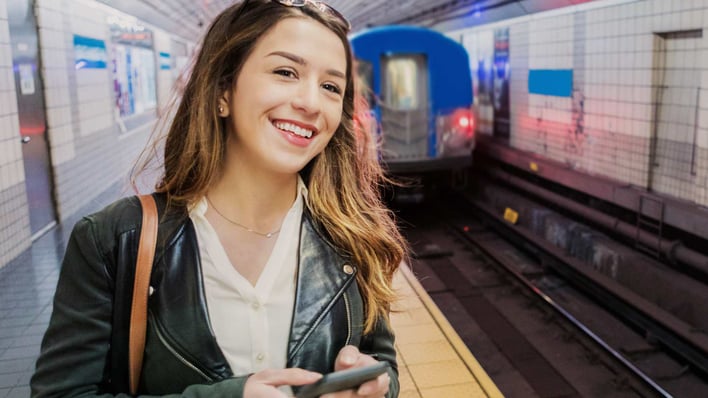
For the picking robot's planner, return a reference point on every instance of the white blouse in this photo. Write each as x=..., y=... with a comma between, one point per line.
x=251, y=323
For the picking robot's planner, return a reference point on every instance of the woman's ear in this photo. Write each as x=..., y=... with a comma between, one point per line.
x=223, y=107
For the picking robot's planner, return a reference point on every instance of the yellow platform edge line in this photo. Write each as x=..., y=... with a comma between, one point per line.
x=486, y=383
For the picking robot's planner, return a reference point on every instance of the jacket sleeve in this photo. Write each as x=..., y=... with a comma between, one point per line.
x=380, y=344
x=75, y=348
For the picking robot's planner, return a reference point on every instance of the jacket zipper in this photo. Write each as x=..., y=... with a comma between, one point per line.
x=319, y=318
x=349, y=319
x=177, y=355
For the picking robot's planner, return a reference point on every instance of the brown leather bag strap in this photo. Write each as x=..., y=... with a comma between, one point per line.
x=143, y=268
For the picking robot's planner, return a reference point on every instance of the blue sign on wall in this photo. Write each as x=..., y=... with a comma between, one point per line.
x=89, y=53
x=165, y=61
x=556, y=82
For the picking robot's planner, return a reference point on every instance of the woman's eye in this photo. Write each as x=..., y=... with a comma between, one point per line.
x=332, y=87
x=285, y=73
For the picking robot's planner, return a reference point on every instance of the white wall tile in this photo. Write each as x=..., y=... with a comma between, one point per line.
x=617, y=83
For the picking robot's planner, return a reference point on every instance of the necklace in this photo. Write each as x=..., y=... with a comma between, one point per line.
x=266, y=235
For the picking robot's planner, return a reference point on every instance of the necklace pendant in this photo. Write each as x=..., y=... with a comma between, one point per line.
x=269, y=234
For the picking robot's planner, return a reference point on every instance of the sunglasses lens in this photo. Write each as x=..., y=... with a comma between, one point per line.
x=293, y=3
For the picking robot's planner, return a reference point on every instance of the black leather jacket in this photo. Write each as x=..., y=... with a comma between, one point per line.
x=84, y=351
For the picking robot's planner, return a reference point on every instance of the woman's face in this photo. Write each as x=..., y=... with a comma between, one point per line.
x=287, y=101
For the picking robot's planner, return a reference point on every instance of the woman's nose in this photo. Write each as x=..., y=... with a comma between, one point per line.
x=307, y=98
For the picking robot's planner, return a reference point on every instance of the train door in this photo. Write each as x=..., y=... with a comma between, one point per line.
x=404, y=107
x=677, y=81
x=30, y=109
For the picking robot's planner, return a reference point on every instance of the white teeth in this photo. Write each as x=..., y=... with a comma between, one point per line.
x=294, y=129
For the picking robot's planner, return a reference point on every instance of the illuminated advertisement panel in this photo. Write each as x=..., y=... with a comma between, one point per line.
x=133, y=61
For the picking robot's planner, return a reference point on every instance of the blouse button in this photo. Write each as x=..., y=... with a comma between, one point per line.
x=260, y=356
x=348, y=269
x=255, y=305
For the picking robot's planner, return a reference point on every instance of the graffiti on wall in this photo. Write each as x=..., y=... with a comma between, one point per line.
x=575, y=137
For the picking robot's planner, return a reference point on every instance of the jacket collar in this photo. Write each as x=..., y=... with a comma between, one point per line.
x=171, y=223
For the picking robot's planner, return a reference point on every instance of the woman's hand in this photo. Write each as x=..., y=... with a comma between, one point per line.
x=264, y=384
x=349, y=357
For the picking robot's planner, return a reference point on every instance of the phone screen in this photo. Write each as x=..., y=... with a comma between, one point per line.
x=342, y=380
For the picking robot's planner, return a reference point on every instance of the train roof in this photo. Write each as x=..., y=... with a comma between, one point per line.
x=404, y=38
x=447, y=61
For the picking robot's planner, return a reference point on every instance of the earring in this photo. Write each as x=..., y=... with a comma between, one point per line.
x=221, y=109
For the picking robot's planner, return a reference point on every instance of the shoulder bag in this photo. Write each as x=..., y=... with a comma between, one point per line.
x=141, y=285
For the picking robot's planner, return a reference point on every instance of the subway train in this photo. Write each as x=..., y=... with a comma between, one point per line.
x=418, y=86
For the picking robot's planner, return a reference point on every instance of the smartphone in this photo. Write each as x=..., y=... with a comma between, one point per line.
x=342, y=380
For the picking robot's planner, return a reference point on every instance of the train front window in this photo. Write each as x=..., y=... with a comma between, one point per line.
x=401, y=83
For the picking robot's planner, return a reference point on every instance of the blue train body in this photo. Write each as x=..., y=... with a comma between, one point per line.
x=419, y=87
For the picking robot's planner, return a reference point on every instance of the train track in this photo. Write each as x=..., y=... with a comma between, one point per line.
x=536, y=328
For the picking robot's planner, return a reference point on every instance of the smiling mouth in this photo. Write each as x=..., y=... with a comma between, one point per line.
x=294, y=129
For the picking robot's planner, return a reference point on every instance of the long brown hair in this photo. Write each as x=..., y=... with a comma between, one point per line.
x=343, y=181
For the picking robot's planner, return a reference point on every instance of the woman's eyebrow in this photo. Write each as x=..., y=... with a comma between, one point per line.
x=301, y=61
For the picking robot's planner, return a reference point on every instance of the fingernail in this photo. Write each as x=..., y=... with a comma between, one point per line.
x=348, y=359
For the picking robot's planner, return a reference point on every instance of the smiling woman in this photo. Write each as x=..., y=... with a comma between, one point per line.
x=275, y=255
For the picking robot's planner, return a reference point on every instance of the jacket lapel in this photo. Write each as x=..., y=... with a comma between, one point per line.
x=179, y=300
x=321, y=280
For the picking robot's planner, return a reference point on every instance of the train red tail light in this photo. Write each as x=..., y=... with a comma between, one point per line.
x=464, y=121
x=455, y=133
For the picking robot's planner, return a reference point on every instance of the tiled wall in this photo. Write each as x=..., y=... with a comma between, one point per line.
x=96, y=153
x=164, y=76
x=608, y=125
x=14, y=216
x=91, y=148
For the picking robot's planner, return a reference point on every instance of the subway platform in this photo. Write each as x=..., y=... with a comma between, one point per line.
x=433, y=360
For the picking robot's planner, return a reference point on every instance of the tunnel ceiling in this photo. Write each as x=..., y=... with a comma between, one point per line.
x=187, y=18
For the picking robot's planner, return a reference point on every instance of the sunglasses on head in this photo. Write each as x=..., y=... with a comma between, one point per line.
x=320, y=5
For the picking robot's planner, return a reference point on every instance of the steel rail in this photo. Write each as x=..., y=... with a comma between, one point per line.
x=500, y=224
